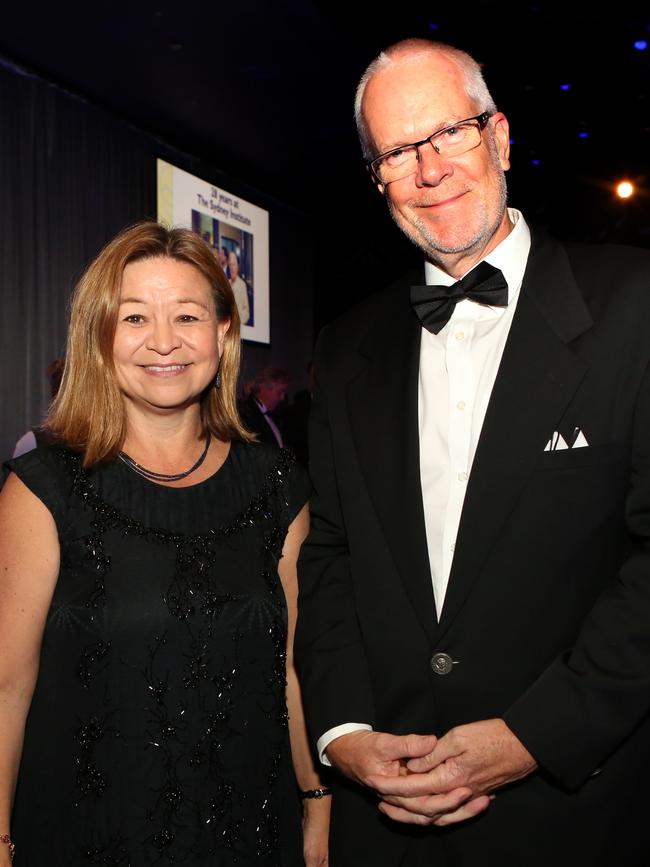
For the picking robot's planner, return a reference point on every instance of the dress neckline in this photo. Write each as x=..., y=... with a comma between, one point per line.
x=150, y=484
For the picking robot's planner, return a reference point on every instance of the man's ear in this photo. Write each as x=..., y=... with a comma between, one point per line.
x=378, y=185
x=501, y=129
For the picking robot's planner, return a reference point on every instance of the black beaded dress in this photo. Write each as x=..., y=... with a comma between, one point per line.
x=158, y=734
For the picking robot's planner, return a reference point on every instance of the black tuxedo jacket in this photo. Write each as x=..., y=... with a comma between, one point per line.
x=254, y=420
x=547, y=612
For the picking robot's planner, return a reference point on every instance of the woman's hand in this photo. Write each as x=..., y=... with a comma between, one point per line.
x=315, y=831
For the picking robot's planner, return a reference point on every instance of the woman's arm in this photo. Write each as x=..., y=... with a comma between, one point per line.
x=29, y=567
x=316, y=812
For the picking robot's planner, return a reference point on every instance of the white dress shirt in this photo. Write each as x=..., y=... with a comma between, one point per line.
x=458, y=367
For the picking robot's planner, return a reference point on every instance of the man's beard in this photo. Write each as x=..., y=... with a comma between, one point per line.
x=421, y=235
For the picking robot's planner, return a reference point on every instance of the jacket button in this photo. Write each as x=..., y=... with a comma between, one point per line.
x=441, y=663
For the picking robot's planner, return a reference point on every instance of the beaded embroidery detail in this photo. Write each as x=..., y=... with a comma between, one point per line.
x=193, y=600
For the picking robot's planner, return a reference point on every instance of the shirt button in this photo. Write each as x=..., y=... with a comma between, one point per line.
x=460, y=404
x=462, y=477
x=460, y=335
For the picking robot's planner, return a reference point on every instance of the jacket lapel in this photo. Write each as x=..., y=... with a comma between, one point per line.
x=382, y=404
x=537, y=378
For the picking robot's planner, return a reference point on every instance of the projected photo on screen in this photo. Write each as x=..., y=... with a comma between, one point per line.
x=234, y=249
x=237, y=230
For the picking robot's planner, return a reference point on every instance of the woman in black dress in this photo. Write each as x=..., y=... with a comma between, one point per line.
x=149, y=709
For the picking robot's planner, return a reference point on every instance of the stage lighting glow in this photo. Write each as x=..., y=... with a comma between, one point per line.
x=583, y=135
x=565, y=87
x=641, y=45
x=625, y=190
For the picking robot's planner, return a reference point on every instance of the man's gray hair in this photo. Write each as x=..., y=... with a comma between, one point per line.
x=268, y=376
x=475, y=86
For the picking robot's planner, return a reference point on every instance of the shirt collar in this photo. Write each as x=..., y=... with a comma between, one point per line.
x=511, y=256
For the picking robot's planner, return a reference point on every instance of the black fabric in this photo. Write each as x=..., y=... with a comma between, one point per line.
x=434, y=304
x=296, y=427
x=158, y=729
x=547, y=607
x=253, y=419
x=72, y=177
x=42, y=437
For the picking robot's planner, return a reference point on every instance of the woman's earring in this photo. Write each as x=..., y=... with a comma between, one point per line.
x=217, y=379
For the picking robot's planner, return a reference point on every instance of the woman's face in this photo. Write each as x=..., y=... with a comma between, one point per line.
x=168, y=340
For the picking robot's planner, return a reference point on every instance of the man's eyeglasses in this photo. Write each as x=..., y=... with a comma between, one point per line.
x=452, y=141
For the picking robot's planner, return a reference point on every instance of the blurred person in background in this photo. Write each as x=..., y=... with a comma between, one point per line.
x=38, y=436
x=239, y=288
x=267, y=394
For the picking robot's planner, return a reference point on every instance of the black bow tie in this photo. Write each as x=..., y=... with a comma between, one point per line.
x=434, y=305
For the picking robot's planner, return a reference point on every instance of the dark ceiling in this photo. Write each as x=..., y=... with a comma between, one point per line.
x=263, y=91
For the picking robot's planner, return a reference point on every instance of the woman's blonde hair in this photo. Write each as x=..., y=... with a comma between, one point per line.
x=88, y=413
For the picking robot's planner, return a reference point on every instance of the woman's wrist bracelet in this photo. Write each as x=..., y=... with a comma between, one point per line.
x=315, y=793
x=5, y=838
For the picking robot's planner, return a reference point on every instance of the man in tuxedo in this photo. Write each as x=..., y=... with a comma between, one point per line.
x=474, y=627
x=268, y=391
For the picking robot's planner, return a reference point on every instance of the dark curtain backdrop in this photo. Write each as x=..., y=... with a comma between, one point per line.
x=71, y=176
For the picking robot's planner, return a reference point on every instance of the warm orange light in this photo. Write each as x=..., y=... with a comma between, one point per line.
x=624, y=190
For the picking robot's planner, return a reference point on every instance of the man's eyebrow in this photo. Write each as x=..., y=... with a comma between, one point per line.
x=439, y=128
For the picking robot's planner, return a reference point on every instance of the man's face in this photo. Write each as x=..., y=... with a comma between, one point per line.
x=272, y=394
x=233, y=266
x=453, y=208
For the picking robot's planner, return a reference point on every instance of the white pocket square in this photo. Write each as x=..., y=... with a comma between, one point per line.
x=580, y=442
x=557, y=441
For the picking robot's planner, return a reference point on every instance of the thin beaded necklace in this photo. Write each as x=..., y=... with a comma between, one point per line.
x=164, y=477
